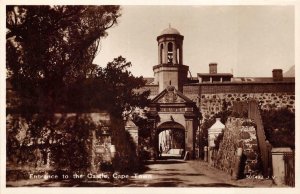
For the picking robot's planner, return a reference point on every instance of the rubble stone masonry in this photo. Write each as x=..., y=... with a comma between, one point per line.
x=239, y=133
x=210, y=97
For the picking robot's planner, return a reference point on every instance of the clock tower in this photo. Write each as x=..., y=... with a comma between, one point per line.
x=170, y=69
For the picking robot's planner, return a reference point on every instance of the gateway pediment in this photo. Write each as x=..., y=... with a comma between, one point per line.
x=171, y=95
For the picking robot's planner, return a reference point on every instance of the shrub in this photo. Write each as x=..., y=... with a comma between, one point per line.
x=283, y=120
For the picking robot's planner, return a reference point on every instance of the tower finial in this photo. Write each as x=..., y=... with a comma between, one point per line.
x=169, y=25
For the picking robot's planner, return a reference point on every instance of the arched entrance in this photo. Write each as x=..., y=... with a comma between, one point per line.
x=172, y=111
x=171, y=140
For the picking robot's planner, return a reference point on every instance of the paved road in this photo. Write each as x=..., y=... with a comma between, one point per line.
x=162, y=173
x=175, y=173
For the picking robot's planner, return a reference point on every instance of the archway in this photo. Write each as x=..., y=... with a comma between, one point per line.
x=171, y=140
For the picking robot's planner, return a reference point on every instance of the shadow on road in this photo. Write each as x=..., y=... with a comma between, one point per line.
x=183, y=174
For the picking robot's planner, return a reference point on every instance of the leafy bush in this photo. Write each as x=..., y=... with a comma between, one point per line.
x=279, y=127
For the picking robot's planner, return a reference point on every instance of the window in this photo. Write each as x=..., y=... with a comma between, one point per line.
x=170, y=52
x=161, y=53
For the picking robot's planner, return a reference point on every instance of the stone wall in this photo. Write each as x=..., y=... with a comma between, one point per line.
x=235, y=87
x=153, y=90
x=69, y=141
x=192, y=92
x=254, y=87
x=239, y=133
x=213, y=103
x=210, y=97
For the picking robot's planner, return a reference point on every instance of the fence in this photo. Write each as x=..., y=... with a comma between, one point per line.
x=289, y=168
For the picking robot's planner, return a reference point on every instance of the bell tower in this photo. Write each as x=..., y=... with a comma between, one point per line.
x=170, y=69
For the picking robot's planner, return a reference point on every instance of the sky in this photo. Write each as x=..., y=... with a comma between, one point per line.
x=248, y=41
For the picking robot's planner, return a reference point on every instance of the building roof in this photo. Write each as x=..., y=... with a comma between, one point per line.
x=130, y=123
x=261, y=79
x=236, y=80
x=170, y=30
x=217, y=125
x=149, y=80
x=214, y=74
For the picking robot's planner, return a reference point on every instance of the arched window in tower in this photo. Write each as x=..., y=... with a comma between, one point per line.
x=177, y=56
x=170, y=52
x=161, y=53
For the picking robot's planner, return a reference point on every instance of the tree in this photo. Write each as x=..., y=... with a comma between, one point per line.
x=113, y=88
x=50, y=48
x=279, y=127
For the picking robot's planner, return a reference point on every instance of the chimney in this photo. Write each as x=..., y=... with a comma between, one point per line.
x=213, y=68
x=277, y=75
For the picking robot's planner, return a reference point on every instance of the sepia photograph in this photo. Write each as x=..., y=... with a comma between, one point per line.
x=180, y=96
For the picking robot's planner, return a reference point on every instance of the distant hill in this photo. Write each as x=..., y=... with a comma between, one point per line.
x=290, y=72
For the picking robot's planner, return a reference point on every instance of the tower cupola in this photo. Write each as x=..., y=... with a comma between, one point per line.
x=170, y=46
x=170, y=69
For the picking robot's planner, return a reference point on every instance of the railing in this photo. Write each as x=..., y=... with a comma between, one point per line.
x=289, y=168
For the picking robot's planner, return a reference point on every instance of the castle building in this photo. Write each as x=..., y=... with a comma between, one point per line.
x=180, y=102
